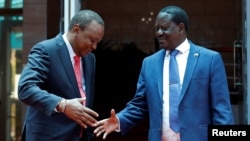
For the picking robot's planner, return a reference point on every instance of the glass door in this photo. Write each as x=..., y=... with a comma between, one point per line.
x=10, y=68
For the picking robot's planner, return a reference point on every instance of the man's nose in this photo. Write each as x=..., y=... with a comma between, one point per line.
x=159, y=32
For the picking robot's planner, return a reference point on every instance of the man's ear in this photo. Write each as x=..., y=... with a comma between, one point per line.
x=181, y=27
x=76, y=29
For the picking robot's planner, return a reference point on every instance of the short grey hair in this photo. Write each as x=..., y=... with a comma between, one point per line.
x=84, y=17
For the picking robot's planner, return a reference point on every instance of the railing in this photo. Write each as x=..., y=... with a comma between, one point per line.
x=232, y=57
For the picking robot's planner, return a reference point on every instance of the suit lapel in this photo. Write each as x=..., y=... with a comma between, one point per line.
x=191, y=64
x=67, y=64
x=159, y=67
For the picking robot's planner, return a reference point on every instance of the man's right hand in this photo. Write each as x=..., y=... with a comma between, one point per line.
x=106, y=126
x=79, y=113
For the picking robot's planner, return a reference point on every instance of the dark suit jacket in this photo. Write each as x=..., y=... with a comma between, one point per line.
x=204, y=97
x=47, y=77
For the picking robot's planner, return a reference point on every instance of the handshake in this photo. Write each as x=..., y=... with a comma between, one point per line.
x=85, y=116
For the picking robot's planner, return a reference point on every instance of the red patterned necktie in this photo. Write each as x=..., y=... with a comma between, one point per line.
x=79, y=76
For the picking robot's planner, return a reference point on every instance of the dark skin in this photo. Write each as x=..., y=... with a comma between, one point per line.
x=170, y=35
x=83, y=41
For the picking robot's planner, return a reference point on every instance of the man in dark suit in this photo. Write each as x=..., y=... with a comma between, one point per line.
x=49, y=86
x=203, y=98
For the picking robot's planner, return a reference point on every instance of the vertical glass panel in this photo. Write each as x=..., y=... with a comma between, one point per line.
x=16, y=45
x=11, y=4
x=16, y=3
x=11, y=45
x=2, y=3
x=1, y=18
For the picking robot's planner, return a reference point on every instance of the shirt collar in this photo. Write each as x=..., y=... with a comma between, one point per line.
x=182, y=48
x=70, y=49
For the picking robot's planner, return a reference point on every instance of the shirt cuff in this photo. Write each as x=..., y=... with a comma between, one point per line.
x=119, y=127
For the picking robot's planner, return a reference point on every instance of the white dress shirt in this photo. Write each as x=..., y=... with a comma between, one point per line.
x=72, y=55
x=181, y=58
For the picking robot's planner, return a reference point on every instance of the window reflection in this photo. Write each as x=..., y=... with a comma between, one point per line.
x=11, y=44
x=16, y=3
x=13, y=4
